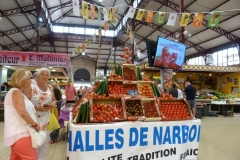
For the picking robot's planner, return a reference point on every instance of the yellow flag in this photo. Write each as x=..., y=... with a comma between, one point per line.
x=106, y=26
x=113, y=13
x=92, y=12
x=109, y=13
x=140, y=14
x=149, y=17
x=184, y=19
x=84, y=46
x=84, y=10
x=78, y=50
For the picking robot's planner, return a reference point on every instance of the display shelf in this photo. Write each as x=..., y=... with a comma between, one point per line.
x=115, y=89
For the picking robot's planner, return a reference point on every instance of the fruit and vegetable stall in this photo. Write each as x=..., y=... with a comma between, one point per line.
x=128, y=117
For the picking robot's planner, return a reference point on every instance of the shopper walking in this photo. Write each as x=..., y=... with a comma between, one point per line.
x=43, y=98
x=190, y=92
x=70, y=92
x=19, y=110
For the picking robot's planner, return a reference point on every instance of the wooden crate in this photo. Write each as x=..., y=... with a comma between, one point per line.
x=173, y=109
x=112, y=95
x=134, y=117
x=132, y=83
x=129, y=75
x=141, y=83
x=108, y=101
x=149, y=100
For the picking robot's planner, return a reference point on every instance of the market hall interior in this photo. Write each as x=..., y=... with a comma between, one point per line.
x=219, y=141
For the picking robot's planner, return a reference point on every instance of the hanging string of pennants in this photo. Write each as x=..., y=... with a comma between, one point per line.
x=110, y=13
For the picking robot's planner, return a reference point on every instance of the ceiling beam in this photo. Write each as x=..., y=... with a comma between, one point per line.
x=21, y=10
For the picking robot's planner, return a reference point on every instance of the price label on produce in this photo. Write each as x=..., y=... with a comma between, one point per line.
x=132, y=92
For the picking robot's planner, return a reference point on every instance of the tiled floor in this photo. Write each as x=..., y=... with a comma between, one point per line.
x=220, y=140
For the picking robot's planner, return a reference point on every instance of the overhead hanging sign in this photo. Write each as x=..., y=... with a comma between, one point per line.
x=176, y=140
x=34, y=59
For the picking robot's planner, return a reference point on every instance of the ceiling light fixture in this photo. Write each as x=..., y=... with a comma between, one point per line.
x=185, y=32
x=53, y=70
x=83, y=53
x=50, y=67
x=100, y=0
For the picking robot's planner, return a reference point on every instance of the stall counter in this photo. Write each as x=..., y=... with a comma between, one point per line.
x=134, y=140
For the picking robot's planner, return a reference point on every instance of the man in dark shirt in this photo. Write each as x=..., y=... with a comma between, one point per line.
x=173, y=91
x=190, y=92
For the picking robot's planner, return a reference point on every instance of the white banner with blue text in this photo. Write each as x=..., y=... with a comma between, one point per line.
x=171, y=140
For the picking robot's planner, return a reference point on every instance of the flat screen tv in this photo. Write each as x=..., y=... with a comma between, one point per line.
x=151, y=51
x=169, y=54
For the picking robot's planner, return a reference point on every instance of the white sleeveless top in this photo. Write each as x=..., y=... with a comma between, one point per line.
x=15, y=127
x=40, y=98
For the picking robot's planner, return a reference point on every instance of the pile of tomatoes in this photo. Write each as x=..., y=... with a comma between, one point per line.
x=129, y=74
x=150, y=109
x=146, y=90
x=107, y=112
x=115, y=88
x=128, y=87
x=174, y=110
x=134, y=108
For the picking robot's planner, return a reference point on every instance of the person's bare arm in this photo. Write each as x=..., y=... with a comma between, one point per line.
x=19, y=105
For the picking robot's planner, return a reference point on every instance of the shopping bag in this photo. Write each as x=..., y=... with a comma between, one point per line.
x=55, y=111
x=53, y=123
x=38, y=138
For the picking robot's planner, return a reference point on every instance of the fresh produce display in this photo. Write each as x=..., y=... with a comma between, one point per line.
x=128, y=87
x=95, y=86
x=107, y=112
x=83, y=113
x=150, y=109
x=156, y=91
x=114, y=77
x=174, y=110
x=146, y=90
x=115, y=88
x=139, y=75
x=102, y=88
x=133, y=108
x=129, y=74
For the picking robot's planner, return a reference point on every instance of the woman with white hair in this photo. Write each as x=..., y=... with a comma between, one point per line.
x=42, y=97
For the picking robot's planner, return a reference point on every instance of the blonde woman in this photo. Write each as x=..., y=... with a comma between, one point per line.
x=43, y=98
x=19, y=110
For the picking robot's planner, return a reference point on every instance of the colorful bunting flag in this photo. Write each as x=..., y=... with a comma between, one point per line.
x=109, y=12
x=161, y=17
x=149, y=17
x=172, y=19
x=131, y=12
x=92, y=12
x=113, y=21
x=197, y=20
x=130, y=35
x=84, y=46
x=128, y=28
x=184, y=19
x=214, y=19
x=140, y=14
x=105, y=14
x=99, y=13
x=89, y=42
x=106, y=26
x=76, y=10
x=78, y=50
x=84, y=10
